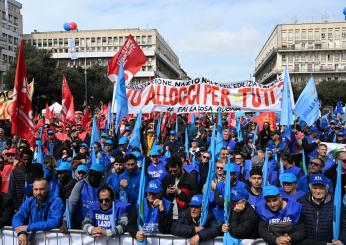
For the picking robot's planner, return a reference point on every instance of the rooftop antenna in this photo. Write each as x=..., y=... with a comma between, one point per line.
x=325, y=17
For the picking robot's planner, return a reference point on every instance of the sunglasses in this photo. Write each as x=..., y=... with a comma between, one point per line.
x=219, y=167
x=206, y=157
x=81, y=172
x=315, y=164
x=106, y=200
x=10, y=155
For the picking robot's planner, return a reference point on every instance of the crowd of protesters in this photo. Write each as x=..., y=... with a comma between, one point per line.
x=295, y=206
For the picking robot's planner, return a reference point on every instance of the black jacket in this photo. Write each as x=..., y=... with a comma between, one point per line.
x=188, y=182
x=6, y=207
x=244, y=225
x=318, y=219
x=185, y=227
x=165, y=222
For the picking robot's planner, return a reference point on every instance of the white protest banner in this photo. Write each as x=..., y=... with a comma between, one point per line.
x=203, y=95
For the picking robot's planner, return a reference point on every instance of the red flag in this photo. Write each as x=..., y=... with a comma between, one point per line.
x=85, y=118
x=67, y=110
x=132, y=57
x=21, y=116
x=263, y=117
x=48, y=114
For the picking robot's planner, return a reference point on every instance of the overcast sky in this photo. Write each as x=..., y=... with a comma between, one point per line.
x=215, y=39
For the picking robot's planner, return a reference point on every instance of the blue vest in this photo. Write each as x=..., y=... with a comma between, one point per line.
x=253, y=199
x=156, y=172
x=290, y=214
x=294, y=170
x=293, y=197
x=88, y=197
x=221, y=186
x=151, y=216
x=113, y=181
x=103, y=219
x=328, y=164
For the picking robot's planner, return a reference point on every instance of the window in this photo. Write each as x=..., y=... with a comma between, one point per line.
x=329, y=57
x=303, y=34
x=149, y=39
x=337, y=33
x=323, y=36
x=138, y=39
x=144, y=39
x=317, y=34
x=121, y=40
x=284, y=35
x=310, y=67
x=297, y=35
x=110, y=41
x=310, y=35
x=104, y=41
x=290, y=35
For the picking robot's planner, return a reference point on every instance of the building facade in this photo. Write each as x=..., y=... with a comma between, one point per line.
x=11, y=30
x=98, y=46
x=317, y=49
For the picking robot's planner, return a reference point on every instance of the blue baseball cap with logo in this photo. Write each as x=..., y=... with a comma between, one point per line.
x=318, y=179
x=287, y=178
x=239, y=194
x=105, y=135
x=196, y=200
x=154, y=186
x=270, y=190
x=250, y=136
x=172, y=132
x=96, y=167
x=154, y=152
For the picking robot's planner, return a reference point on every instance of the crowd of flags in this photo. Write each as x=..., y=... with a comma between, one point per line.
x=307, y=108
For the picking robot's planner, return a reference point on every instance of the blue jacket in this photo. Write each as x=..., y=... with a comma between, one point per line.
x=40, y=217
x=132, y=189
x=156, y=172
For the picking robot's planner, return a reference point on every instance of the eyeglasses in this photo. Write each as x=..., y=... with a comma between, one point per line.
x=343, y=160
x=106, y=200
x=315, y=164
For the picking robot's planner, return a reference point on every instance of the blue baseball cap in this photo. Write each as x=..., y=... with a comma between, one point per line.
x=128, y=128
x=194, y=140
x=196, y=200
x=84, y=145
x=230, y=167
x=103, y=134
x=313, y=130
x=288, y=178
x=137, y=154
x=318, y=179
x=270, y=190
x=172, y=132
x=154, y=186
x=154, y=152
x=157, y=147
x=239, y=194
x=108, y=142
x=64, y=166
x=123, y=140
x=96, y=167
x=50, y=132
x=82, y=167
x=250, y=136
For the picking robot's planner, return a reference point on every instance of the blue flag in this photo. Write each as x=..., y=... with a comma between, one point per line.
x=207, y=186
x=239, y=132
x=135, y=140
x=95, y=137
x=265, y=169
x=338, y=108
x=109, y=116
x=337, y=204
x=39, y=148
x=121, y=98
x=141, y=199
x=227, y=238
x=192, y=123
x=286, y=115
x=187, y=143
x=176, y=125
x=68, y=215
x=158, y=127
x=303, y=164
x=308, y=105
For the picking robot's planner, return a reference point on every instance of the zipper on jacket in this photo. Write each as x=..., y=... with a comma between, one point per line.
x=317, y=222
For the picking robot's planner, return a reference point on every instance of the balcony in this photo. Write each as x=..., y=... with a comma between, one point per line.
x=321, y=69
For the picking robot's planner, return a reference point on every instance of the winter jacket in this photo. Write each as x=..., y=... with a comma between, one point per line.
x=6, y=207
x=244, y=225
x=188, y=185
x=185, y=227
x=132, y=189
x=39, y=216
x=318, y=219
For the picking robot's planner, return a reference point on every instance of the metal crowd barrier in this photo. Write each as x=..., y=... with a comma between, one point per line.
x=78, y=237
